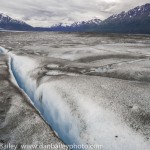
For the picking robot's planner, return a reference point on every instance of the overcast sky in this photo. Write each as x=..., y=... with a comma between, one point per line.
x=49, y=12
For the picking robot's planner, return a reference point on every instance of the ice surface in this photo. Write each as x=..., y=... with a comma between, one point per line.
x=77, y=120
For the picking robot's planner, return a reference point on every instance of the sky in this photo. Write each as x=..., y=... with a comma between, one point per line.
x=50, y=12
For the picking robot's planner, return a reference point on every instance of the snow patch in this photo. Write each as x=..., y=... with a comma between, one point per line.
x=53, y=66
x=58, y=72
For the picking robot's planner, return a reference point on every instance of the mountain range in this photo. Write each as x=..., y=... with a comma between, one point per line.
x=136, y=20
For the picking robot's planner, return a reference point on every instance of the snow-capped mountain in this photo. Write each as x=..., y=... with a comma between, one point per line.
x=139, y=12
x=77, y=26
x=6, y=19
x=80, y=23
x=89, y=22
x=9, y=23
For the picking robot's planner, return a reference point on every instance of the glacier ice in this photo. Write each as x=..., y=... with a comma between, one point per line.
x=73, y=115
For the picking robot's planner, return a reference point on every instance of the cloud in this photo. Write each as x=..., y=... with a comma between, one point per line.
x=48, y=12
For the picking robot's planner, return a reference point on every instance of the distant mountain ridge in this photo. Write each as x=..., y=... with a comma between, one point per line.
x=136, y=21
x=77, y=26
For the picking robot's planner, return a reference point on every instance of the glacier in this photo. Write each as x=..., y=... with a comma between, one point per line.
x=73, y=112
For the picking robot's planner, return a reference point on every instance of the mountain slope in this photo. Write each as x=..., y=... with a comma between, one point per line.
x=7, y=23
x=136, y=20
